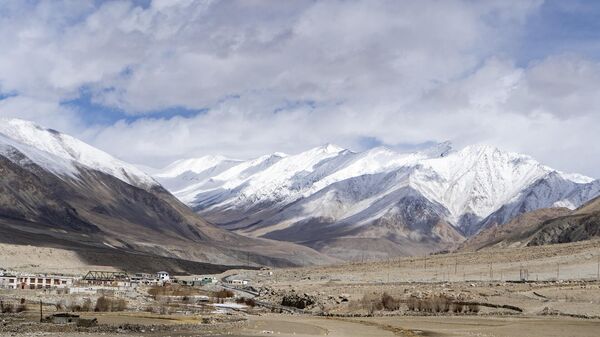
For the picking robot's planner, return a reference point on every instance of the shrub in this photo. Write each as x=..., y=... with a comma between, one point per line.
x=172, y=290
x=411, y=304
x=389, y=303
x=457, y=308
x=9, y=308
x=371, y=303
x=20, y=308
x=87, y=305
x=474, y=308
x=74, y=307
x=121, y=305
x=435, y=304
x=247, y=301
x=440, y=304
x=225, y=293
x=107, y=304
x=102, y=304
x=420, y=305
x=6, y=308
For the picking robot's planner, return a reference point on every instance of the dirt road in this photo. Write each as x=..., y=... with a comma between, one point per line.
x=423, y=326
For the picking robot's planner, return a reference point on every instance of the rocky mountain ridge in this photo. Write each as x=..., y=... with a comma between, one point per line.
x=421, y=201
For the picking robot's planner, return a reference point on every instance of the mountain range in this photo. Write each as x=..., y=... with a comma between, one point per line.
x=315, y=207
x=57, y=191
x=378, y=202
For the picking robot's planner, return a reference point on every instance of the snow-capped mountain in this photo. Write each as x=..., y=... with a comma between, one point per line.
x=186, y=172
x=58, y=191
x=430, y=197
x=62, y=154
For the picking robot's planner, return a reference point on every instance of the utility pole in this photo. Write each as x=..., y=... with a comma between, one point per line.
x=598, y=275
x=455, y=265
x=41, y=313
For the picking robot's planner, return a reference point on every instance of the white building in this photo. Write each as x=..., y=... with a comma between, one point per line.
x=8, y=282
x=163, y=276
x=144, y=278
x=35, y=281
x=203, y=280
x=238, y=282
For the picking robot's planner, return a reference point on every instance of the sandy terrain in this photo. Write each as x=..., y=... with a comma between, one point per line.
x=493, y=326
x=306, y=326
x=544, y=263
x=50, y=260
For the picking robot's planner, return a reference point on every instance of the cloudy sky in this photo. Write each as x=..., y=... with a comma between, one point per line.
x=153, y=81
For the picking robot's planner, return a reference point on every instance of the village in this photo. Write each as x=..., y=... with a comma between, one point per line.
x=73, y=302
x=98, y=280
x=543, y=285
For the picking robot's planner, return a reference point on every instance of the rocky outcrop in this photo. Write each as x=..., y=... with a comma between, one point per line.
x=298, y=301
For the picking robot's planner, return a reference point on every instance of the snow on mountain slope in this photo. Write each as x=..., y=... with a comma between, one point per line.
x=283, y=178
x=61, y=154
x=551, y=190
x=188, y=172
x=230, y=178
x=194, y=165
x=336, y=185
x=476, y=180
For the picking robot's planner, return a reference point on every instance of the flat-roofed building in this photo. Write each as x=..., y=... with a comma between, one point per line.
x=35, y=281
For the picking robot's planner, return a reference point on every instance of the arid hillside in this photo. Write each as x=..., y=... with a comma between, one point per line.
x=56, y=191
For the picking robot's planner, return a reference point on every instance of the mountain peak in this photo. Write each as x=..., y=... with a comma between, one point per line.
x=61, y=153
x=329, y=148
x=438, y=150
x=194, y=165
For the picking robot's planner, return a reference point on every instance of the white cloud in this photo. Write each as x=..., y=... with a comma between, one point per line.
x=283, y=76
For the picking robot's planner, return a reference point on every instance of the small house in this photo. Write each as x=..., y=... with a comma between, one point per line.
x=163, y=276
x=237, y=282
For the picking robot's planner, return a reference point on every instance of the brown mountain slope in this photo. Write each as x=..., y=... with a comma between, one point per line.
x=541, y=227
x=516, y=233
x=97, y=214
x=582, y=224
